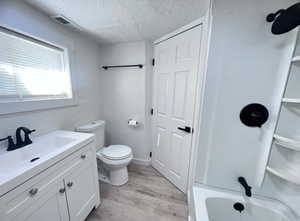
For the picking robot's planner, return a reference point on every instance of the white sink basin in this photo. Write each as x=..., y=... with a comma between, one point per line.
x=19, y=165
x=21, y=158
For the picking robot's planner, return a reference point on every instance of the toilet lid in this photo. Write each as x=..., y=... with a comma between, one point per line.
x=116, y=152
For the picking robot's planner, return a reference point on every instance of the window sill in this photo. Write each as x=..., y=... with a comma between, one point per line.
x=27, y=106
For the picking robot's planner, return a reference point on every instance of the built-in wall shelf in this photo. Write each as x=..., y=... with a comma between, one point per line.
x=296, y=59
x=285, y=174
x=291, y=100
x=284, y=156
x=287, y=142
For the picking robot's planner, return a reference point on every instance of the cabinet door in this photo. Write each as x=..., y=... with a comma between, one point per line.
x=51, y=206
x=82, y=188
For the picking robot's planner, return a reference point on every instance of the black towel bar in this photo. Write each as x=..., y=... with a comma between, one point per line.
x=123, y=66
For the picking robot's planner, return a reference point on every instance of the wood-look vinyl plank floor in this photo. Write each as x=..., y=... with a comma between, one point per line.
x=147, y=196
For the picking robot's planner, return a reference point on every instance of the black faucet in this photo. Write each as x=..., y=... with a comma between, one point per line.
x=27, y=140
x=11, y=145
x=244, y=183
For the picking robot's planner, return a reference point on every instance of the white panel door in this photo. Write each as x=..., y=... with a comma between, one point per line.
x=175, y=77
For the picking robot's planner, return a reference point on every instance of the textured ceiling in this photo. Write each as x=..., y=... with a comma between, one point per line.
x=112, y=21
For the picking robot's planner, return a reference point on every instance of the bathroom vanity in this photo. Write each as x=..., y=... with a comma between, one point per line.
x=53, y=179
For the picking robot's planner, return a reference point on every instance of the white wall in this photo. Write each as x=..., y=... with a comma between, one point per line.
x=85, y=63
x=246, y=64
x=125, y=91
x=114, y=96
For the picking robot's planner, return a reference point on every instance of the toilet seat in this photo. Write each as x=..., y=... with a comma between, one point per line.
x=116, y=152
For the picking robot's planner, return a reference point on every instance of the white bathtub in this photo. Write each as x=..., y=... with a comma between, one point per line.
x=210, y=204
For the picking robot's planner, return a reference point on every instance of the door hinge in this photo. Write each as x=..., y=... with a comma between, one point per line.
x=152, y=111
x=153, y=62
x=150, y=154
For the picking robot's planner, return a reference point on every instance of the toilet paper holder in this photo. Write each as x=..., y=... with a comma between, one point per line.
x=133, y=123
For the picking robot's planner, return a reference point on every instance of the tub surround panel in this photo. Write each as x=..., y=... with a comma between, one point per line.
x=243, y=68
x=246, y=64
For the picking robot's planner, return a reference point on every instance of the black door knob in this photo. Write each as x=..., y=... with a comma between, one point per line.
x=185, y=129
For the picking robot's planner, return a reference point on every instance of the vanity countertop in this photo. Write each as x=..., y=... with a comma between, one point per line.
x=20, y=165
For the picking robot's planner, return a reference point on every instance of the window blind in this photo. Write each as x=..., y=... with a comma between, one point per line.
x=31, y=69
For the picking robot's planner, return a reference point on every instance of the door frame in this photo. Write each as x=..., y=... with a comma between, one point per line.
x=205, y=21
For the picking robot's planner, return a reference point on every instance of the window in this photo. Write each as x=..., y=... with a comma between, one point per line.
x=32, y=70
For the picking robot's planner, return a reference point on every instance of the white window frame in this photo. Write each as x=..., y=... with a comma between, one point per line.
x=42, y=104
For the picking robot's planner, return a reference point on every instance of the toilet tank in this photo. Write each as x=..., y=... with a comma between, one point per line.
x=97, y=128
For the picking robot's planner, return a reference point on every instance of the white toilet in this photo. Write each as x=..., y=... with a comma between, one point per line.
x=115, y=158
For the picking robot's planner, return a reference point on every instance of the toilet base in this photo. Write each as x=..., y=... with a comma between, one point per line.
x=118, y=176
x=116, y=170
x=102, y=178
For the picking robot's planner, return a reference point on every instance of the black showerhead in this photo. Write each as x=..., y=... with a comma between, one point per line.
x=271, y=17
x=285, y=20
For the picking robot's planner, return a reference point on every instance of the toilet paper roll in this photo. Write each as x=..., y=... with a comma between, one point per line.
x=133, y=123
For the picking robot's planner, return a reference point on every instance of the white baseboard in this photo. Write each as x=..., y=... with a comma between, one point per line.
x=190, y=218
x=141, y=161
x=191, y=206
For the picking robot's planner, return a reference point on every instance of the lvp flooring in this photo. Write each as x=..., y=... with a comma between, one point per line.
x=147, y=196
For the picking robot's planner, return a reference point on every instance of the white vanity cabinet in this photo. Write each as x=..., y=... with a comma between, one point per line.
x=66, y=191
x=80, y=188
x=49, y=206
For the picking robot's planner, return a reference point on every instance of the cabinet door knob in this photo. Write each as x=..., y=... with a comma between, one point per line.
x=62, y=190
x=33, y=191
x=70, y=184
x=83, y=156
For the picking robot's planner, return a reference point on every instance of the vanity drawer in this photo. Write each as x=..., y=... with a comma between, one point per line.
x=81, y=160
x=16, y=202
x=19, y=199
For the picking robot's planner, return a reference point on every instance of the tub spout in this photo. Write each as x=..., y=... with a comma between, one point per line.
x=247, y=188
